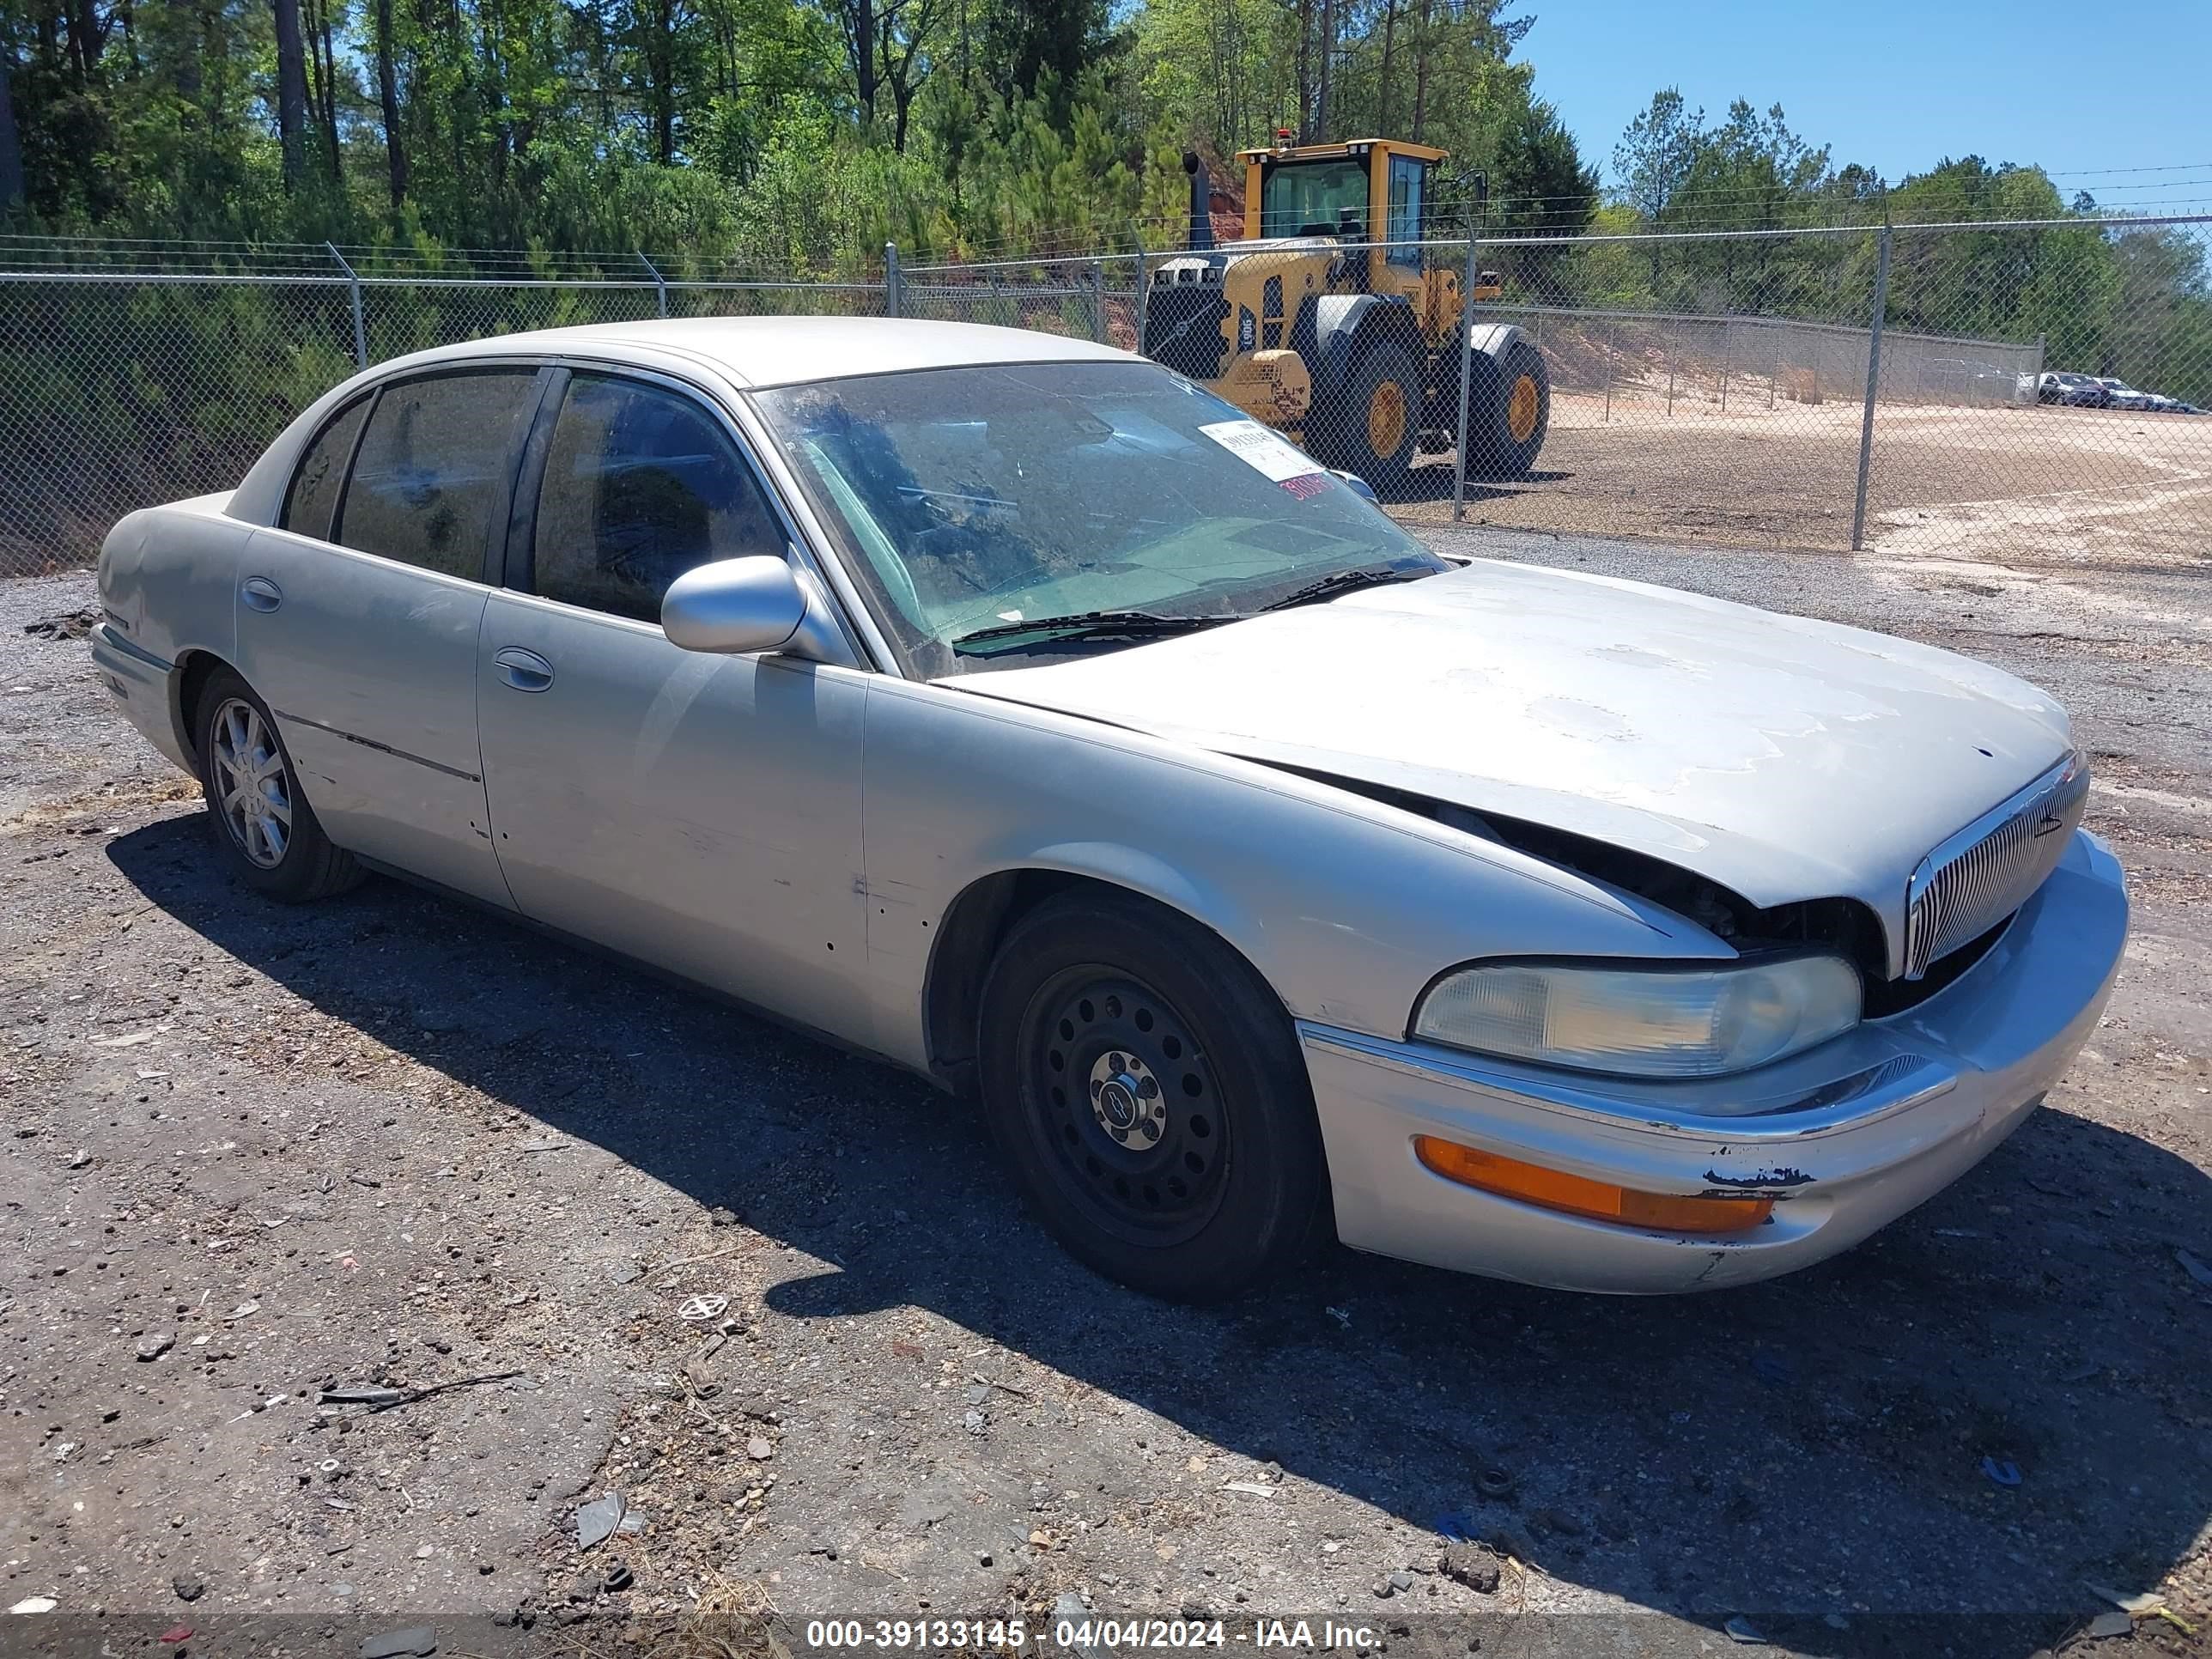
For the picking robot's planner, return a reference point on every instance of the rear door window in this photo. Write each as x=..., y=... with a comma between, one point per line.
x=641, y=485
x=314, y=493
x=433, y=466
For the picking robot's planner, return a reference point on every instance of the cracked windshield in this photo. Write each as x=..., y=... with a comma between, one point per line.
x=1004, y=514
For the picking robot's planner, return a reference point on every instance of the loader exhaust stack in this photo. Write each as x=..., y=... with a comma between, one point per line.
x=1200, y=234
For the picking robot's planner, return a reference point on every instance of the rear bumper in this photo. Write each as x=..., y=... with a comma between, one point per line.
x=1844, y=1138
x=142, y=682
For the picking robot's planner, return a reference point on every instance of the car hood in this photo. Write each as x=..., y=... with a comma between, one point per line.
x=1783, y=758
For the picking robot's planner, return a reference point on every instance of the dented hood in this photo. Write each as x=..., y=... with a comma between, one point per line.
x=1783, y=758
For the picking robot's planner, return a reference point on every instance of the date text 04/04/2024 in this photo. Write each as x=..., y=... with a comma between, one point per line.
x=1013, y=1634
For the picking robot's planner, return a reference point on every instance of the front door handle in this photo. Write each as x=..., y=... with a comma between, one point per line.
x=260, y=594
x=525, y=670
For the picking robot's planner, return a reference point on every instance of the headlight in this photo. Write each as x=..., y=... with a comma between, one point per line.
x=1662, y=1022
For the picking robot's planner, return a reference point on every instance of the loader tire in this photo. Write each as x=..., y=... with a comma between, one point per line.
x=1370, y=425
x=1508, y=411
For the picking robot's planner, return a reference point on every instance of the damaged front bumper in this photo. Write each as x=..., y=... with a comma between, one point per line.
x=1844, y=1138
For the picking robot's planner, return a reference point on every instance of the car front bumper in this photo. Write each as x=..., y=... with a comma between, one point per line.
x=1845, y=1138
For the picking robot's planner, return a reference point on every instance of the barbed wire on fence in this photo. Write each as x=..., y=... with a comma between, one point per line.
x=1930, y=387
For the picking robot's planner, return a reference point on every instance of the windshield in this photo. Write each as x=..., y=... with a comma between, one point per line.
x=967, y=498
x=1311, y=198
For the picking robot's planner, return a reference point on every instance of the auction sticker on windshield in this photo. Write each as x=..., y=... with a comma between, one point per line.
x=1262, y=449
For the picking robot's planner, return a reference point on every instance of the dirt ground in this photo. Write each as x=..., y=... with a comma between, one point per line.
x=2056, y=485
x=778, y=1300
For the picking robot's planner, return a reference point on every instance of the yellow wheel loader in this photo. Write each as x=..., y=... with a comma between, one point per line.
x=1330, y=321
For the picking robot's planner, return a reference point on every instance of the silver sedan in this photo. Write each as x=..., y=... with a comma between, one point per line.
x=1008, y=707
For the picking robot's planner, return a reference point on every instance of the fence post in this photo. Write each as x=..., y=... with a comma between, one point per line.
x=1143, y=285
x=894, y=284
x=1874, y=381
x=1612, y=329
x=359, y=324
x=1098, y=301
x=1465, y=375
x=658, y=281
x=1725, y=343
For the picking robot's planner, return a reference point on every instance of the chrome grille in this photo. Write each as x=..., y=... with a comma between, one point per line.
x=1988, y=870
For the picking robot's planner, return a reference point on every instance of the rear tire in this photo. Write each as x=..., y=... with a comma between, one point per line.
x=1147, y=1088
x=261, y=823
x=1508, y=411
x=1373, y=421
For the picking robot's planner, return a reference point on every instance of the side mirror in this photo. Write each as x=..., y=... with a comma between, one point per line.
x=734, y=606
x=1358, y=486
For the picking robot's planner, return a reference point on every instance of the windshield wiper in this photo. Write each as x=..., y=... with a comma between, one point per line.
x=1090, y=625
x=1344, y=581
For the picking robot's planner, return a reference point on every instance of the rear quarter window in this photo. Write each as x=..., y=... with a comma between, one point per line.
x=312, y=495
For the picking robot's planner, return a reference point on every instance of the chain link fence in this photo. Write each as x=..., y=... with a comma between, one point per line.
x=2013, y=392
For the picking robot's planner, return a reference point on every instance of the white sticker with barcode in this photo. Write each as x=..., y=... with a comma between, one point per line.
x=1262, y=449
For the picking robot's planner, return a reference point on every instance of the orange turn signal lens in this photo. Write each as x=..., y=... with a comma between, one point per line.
x=1552, y=1189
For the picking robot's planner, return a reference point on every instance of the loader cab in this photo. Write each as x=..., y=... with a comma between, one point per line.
x=1366, y=190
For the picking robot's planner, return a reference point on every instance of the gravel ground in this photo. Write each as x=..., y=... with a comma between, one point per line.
x=2044, y=483
x=778, y=1298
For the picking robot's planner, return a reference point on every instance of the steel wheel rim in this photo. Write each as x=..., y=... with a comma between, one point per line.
x=252, y=784
x=1100, y=1052
x=1386, y=419
x=1520, y=409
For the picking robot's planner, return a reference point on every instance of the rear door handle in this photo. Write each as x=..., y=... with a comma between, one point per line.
x=260, y=594
x=525, y=670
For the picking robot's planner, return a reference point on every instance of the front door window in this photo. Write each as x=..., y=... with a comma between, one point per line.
x=1407, y=178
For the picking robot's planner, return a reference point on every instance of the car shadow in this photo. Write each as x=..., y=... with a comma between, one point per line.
x=1943, y=1433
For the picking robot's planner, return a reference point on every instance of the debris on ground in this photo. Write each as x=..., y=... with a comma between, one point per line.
x=2145, y=1601
x=1740, y=1629
x=383, y=1399
x=415, y=1640
x=1475, y=1566
x=2112, y=1624
x=596, y=1521
x=65, y=625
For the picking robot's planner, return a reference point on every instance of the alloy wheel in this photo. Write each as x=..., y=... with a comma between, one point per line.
x=254, y=786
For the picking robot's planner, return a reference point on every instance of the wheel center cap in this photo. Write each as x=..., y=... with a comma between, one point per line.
x=1118, y=1100
x=1126, y=1099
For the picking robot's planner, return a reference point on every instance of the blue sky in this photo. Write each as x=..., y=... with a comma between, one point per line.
x=1897, y=84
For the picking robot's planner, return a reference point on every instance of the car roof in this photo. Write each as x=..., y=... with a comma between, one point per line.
x=769, y=352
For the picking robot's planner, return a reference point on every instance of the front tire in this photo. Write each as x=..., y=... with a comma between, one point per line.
x=1373, y=423
x=262, y=825
x=1147, y=1089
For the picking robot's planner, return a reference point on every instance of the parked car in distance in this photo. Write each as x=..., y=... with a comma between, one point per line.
x=2119, y=394
x=2058, y=386
x=1009, y=707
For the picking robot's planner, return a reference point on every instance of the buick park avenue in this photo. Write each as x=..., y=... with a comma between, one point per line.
x=1007, y=707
